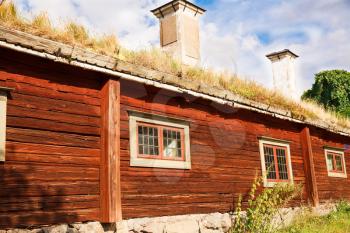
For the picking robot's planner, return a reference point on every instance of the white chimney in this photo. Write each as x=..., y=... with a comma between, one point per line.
x=179, y=30
x=283, y=70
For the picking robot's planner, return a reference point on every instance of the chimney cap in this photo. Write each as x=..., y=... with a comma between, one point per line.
x=175, y=6
x=281, y=53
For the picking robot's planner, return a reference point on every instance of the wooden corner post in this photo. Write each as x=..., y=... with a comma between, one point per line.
x=110, y=193
x=309, y=168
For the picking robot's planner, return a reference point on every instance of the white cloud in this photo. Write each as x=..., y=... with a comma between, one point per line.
x=316, y=30
x=236, y=34
x=131, y=20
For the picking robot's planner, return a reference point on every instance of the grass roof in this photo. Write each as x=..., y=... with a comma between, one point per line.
x=77, y=35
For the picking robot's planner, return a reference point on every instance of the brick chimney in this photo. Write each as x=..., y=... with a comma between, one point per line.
x=283, y=70
x=179, y=30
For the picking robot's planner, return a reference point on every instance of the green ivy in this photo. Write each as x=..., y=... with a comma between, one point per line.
x=332, y=90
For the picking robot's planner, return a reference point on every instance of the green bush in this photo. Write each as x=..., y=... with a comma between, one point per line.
x=262, y=208
x=332, y=90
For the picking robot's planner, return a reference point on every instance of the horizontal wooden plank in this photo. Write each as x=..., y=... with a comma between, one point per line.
x=34, y=148
x=43, y=217
x=51, y=138
x=25, y=189
x=44, y=73
x=23, y=172
x=30, y=86
x=58, y=160
x=56, y=117
x=50, y=203
x=34, y=102
x=34, y=123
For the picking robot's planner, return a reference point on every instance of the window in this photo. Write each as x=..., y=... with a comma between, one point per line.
x=3, y=105
x=335, y=162
x=157, y=141
x=275, y=161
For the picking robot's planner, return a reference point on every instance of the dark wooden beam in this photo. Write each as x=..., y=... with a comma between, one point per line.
x=309, y=168
x=110, y=193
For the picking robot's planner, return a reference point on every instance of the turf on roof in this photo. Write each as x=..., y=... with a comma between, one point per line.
x=77, y=35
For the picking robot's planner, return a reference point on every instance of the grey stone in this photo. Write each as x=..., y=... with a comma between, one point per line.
x=56, y=229
x=72, y=230
x=211, y=221
x=75, y=225
x=154, y=227
x=226, y=222
x=91, y=227
x=18, y=231
x=122, y=227
x=37, y=230
x=184, y=226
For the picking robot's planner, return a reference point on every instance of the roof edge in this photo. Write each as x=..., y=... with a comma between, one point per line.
x=172, y=3
x=83, y=58
x=281, y=53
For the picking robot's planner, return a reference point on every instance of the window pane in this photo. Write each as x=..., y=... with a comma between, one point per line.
x=140, y=149
x=269, y=162
x=282, y=163
x=140, y=139
x=148, y=140
x=330, y=162
x=338, y=163
x=172, y=143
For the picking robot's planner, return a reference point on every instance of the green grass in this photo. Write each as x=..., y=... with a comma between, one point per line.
x=336, y=222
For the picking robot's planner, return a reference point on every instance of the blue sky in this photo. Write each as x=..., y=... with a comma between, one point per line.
x=235, y=34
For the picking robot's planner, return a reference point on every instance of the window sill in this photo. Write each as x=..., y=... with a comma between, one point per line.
x=337, y=175
x=157, y=163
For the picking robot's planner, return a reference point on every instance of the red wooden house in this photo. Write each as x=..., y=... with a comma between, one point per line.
x=91, y=137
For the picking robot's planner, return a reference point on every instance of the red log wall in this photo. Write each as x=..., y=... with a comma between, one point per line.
x=53, y=159
x=51, y=172
x=330, y=188
x=224, y=153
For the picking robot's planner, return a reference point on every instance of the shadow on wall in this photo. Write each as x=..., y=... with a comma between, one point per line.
x=24, y=203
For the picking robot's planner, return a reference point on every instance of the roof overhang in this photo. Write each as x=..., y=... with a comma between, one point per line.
x=85, y=59
x=282, y=53
x=174, y=6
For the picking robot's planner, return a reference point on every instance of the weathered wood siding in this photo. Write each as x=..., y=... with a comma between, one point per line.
x=330, y=188
x=51, y=172
x=224, y=151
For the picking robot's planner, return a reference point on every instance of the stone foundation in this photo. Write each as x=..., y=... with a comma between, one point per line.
x=196, y=223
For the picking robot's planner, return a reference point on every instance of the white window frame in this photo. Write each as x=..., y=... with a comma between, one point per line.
x=3, y=106
x=135, y=161
x=340, y=152
x=274, y=142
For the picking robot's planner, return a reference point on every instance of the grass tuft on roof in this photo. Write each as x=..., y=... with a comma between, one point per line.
x=77, y=35
x=71, y=33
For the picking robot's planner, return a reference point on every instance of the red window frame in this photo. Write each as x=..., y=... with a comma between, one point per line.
x=160, y=155
x=334, y=155
x=274, y=148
